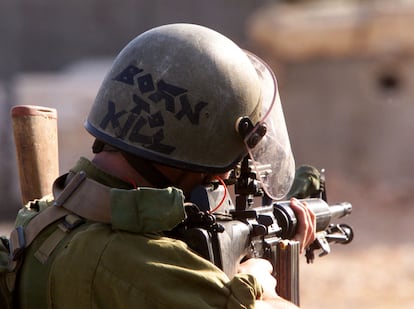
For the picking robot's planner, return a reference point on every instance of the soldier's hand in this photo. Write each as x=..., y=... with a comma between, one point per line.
x=262, y=269
x=306, y=232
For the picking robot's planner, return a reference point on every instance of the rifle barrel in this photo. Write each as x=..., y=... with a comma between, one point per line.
x=340, y=210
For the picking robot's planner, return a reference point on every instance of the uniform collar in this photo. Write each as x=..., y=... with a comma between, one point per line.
x=97, y=174
x=140, y=210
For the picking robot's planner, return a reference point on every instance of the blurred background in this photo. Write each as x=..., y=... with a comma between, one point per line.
x=346, y=79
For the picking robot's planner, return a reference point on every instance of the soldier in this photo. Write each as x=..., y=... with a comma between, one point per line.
x=180, y=107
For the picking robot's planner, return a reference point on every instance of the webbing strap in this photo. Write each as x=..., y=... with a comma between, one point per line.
x=47, y=247
x=83, y=191
x=69, y=198
x=21, y=238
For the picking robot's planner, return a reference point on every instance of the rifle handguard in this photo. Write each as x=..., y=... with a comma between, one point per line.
x=324, y=214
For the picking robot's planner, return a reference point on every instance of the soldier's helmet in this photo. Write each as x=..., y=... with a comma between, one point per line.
x=176, y=95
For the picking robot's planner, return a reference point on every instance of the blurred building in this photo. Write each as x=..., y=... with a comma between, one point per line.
x=346, y=79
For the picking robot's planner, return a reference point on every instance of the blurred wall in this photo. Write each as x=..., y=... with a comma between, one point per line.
x=346, y=80
x=50, y=33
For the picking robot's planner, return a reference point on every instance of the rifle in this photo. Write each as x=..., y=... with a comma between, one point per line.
x=231, y=234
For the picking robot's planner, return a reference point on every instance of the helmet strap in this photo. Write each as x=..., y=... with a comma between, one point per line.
x=144, y=167
x=148, y=170
x=99, y=146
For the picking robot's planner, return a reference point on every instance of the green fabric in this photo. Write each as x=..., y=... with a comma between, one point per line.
x=7, y=276
x=33, y=284
x=306, y=182
x=31, y=209
x=126, y=270
x=6, y=296
x=130, y=264
x=99, y=175
x=134, y=211
x=4, y=255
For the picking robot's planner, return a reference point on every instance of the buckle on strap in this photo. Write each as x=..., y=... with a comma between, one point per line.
x=17, y=242
x=80, y=191
x=71, y=187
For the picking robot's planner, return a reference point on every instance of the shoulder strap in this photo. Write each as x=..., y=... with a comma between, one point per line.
x=69, y=198
x=83, y=191
x=21, y=237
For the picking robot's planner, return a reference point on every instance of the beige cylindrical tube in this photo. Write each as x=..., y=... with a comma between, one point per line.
x=36, y=141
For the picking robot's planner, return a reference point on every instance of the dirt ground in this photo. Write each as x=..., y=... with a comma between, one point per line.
x=375, y=270
x=378, y=276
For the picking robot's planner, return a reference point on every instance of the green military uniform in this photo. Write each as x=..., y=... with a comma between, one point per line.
x=129, y=263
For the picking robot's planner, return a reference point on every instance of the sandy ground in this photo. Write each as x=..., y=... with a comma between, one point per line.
x=374, y=271
x=375, y=277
